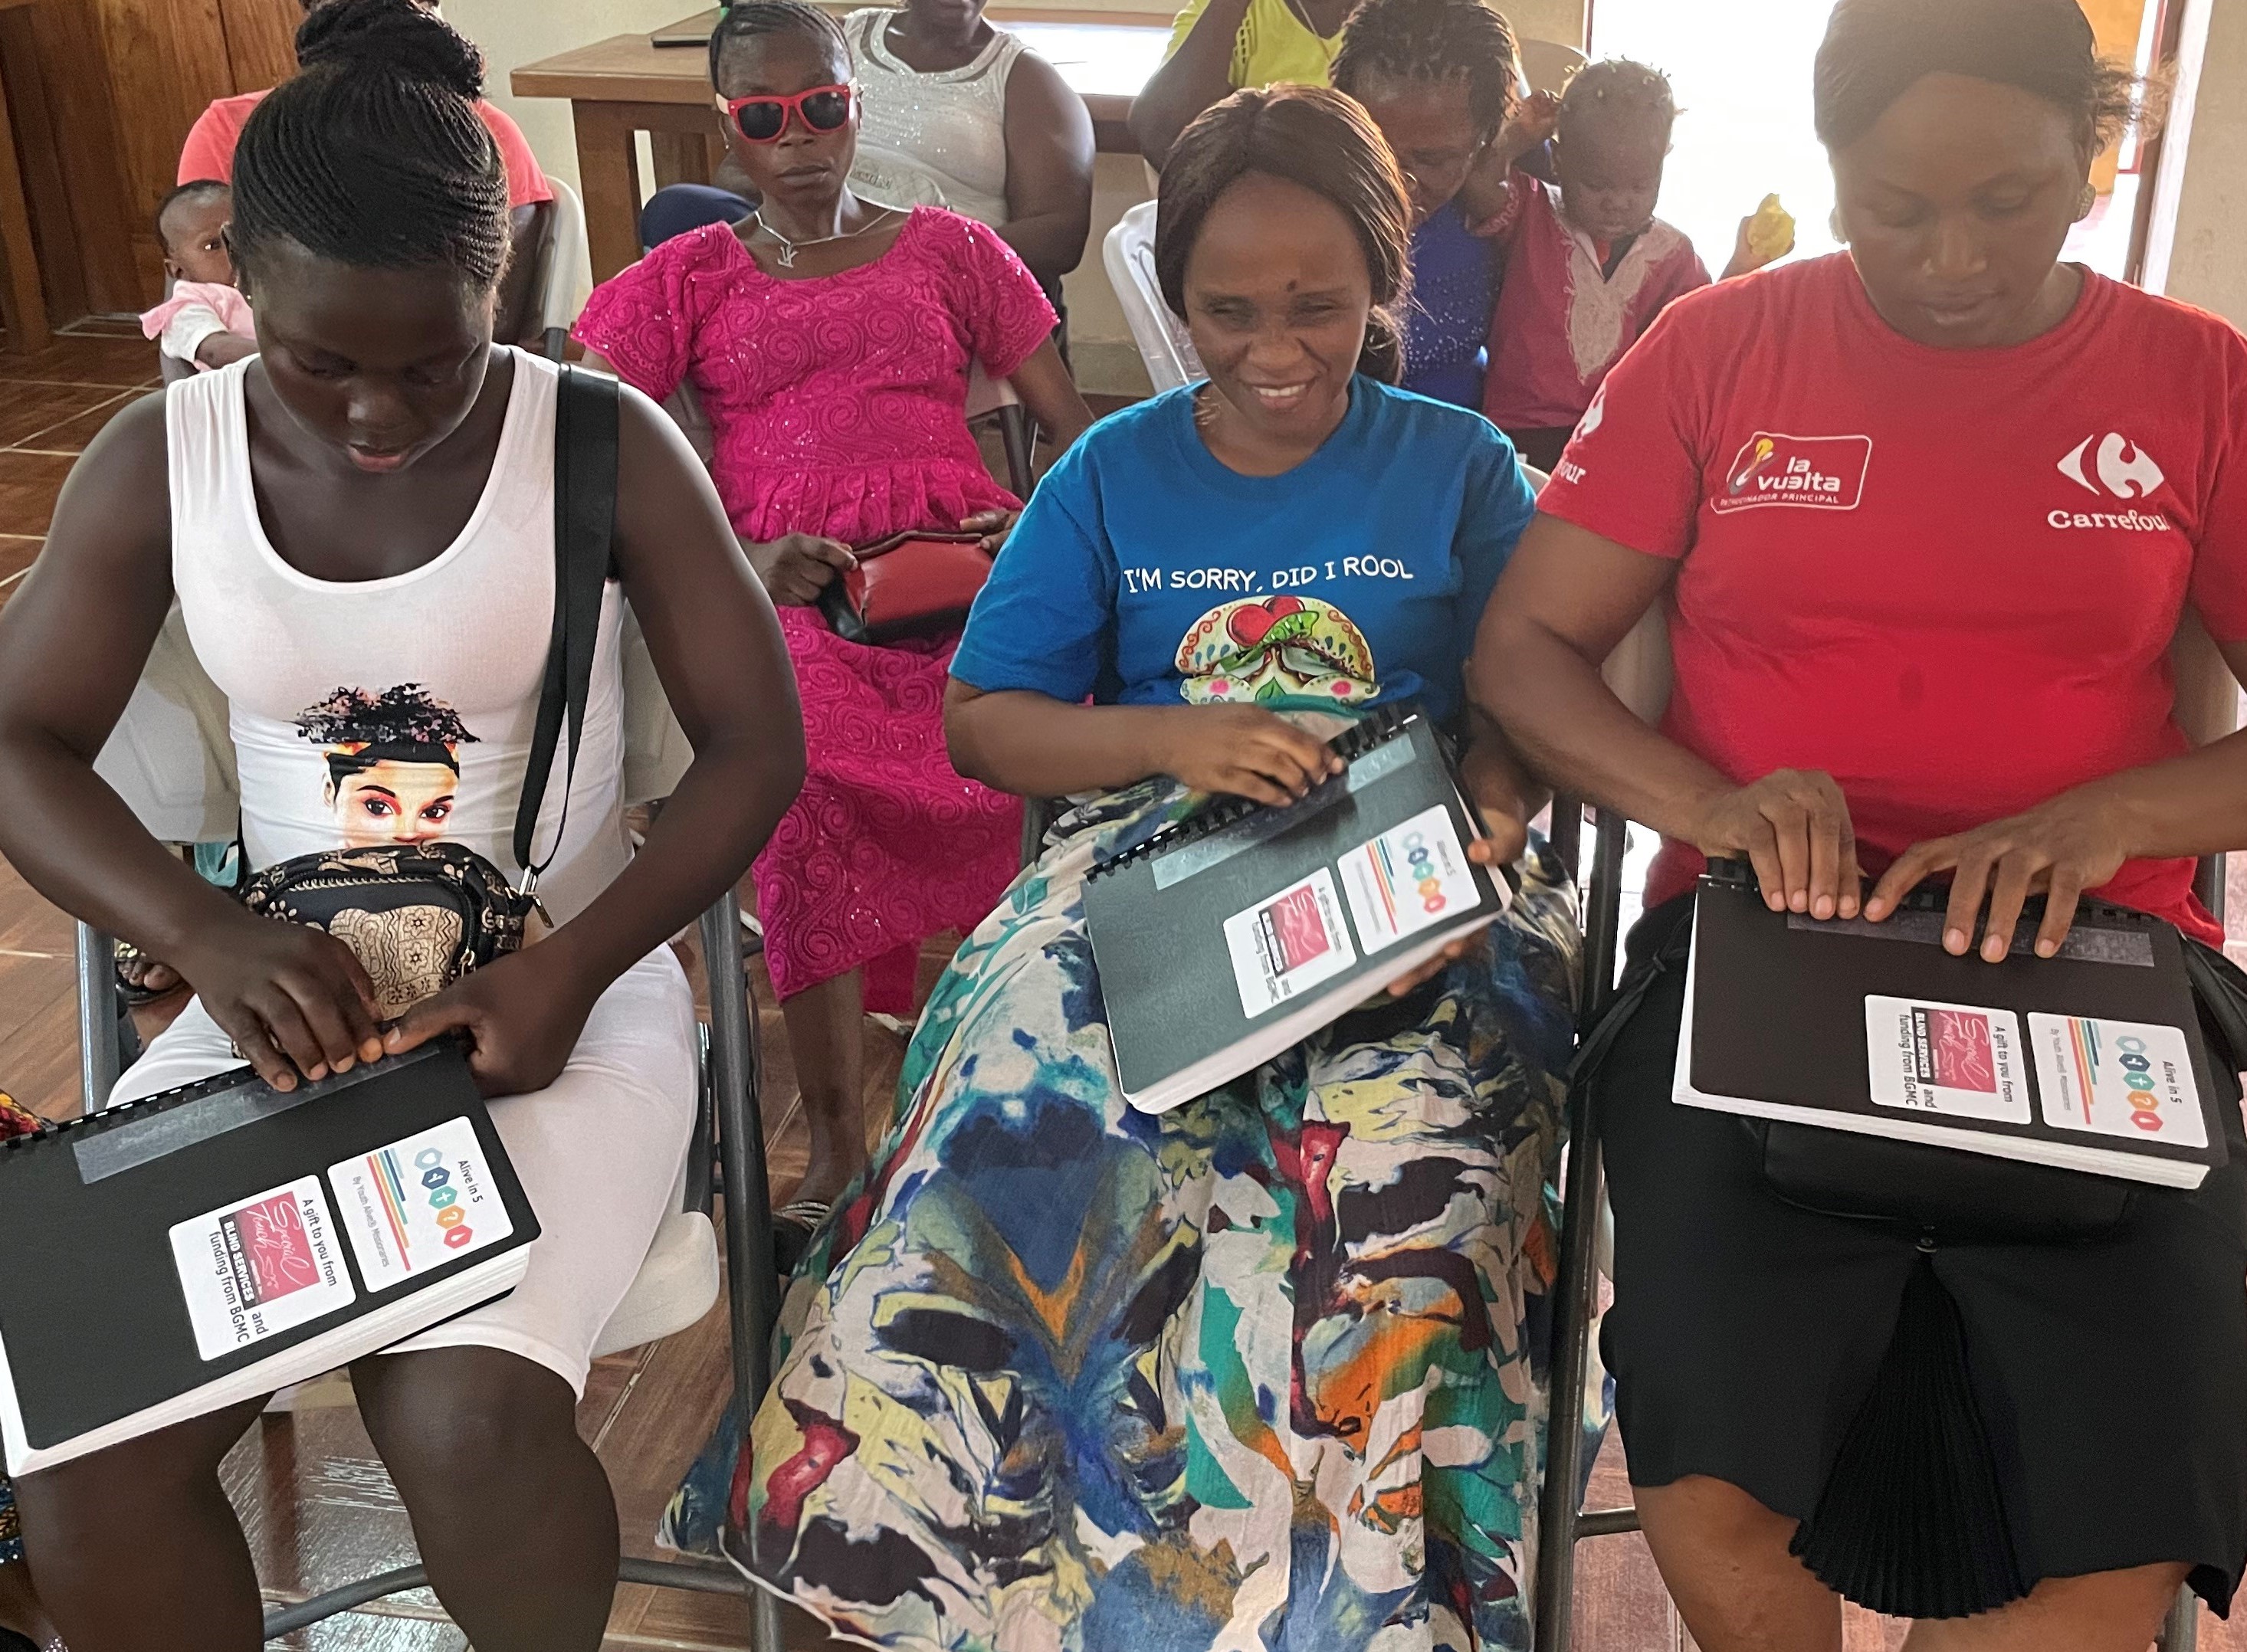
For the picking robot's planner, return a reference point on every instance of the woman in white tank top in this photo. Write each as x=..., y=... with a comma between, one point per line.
x=358, y=526
x=956, y=113
x=932, y=137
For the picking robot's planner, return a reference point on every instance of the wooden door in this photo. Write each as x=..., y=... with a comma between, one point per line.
x=125, y=79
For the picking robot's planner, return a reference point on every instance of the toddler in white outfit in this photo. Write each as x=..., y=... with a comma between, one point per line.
x=205, y=320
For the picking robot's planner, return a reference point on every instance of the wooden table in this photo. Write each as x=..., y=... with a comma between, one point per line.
x=22, y=301
x=625, y=85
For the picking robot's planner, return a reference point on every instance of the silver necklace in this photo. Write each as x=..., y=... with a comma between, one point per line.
x=789, y=248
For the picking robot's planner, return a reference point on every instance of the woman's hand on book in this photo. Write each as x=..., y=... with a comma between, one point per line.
x=1241, y=751
x=2057, y=850
x=523, y=1015
x=1793, y=827
x=797, y=567
x=294, y=1000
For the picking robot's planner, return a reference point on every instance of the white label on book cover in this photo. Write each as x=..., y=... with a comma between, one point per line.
x=2130, y=1079
x=1952, y=1058
x=261, y=1266
x=1283, y=946
x=418, y=1204
x=1409, y=877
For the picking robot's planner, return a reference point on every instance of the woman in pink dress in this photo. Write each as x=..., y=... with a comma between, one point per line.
x=829, y=340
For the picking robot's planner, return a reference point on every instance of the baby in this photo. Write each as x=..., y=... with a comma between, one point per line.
x=206, y=320
x=1588, y=264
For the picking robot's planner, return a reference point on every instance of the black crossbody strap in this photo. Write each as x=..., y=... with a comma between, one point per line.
x=585, y=525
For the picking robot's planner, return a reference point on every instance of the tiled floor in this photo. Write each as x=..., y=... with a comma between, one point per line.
x=52, y=404
x=315, y=1501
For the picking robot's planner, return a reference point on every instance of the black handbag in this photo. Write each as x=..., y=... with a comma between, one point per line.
x=419, y=916
x=1940, y=1194
x=1949, y=1198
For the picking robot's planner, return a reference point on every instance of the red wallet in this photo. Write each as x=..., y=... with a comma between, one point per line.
x=916, y=584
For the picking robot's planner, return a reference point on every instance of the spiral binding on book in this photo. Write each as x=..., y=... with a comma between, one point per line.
x=125, y=1112
x=1377, y=728
x=1733, y=873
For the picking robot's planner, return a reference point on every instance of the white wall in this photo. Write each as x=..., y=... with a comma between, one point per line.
x=514, y=32
x=2197, y=249
x=1557, y=20
x=1101, y=351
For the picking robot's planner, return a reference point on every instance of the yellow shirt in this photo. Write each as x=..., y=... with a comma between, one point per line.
x=1274, y=46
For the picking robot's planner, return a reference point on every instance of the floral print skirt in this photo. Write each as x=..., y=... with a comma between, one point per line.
x=1265, y=1371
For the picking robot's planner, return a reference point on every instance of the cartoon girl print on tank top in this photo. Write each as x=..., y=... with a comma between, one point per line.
x=392, y=760
x=392, y=772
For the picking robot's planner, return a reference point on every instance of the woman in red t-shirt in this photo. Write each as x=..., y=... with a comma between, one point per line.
x=1923, y=519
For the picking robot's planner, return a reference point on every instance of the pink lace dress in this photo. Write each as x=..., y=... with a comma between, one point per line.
x=838, y=405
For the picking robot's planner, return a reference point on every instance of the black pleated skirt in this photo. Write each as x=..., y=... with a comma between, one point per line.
x=1950, y=1423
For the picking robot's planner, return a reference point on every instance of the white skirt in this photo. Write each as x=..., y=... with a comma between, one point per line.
x=599, y=1150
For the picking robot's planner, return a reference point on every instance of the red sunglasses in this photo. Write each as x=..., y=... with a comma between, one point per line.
x=763, y=116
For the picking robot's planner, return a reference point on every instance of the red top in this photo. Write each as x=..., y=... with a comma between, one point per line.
x=1948, y=577
x=208, y=152
x=1561, y=323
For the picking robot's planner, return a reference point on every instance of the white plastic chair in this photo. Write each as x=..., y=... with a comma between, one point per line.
x=1639, y=673
x=564, y=280
x=1129, y=256
x=172, y=761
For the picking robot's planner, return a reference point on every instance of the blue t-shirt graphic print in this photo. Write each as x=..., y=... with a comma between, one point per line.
x=1144, y=572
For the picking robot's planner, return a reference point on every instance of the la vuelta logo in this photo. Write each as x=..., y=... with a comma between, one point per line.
x=1820, y=473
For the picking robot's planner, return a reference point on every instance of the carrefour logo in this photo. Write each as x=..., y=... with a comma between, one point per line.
x=2122, y=468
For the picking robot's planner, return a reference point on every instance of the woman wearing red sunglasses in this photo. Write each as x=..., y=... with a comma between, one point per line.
x=829, y=340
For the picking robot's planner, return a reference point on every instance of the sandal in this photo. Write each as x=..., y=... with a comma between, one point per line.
x=794, y=1225
x=133, y=995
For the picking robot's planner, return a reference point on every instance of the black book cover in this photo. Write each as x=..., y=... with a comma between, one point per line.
x=1878, y=1022
x=158, y=1247
x=1224, y=941
x=694, y=31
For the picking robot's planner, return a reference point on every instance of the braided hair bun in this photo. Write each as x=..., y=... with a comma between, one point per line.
x=375, y=154
x=392, y=37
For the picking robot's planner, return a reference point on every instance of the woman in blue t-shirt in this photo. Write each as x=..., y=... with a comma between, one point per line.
x=1259, y=1369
